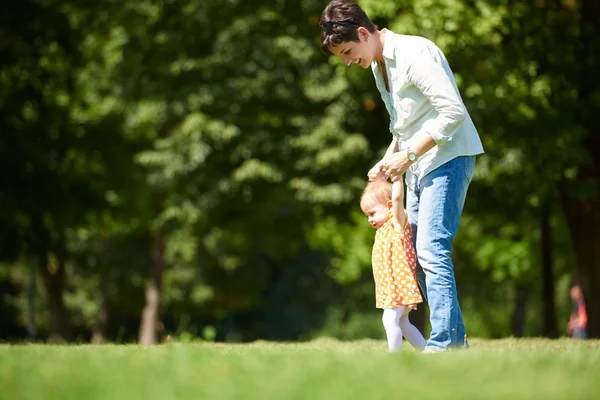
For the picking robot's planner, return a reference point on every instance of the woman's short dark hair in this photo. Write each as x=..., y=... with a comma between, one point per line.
x=340, y=22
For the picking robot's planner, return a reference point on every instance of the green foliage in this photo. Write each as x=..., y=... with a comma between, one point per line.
x=350, y=243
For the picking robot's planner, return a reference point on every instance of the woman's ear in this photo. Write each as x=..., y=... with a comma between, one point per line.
x=363, y=33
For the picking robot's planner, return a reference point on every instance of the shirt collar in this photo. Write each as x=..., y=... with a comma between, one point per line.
x=388, y=46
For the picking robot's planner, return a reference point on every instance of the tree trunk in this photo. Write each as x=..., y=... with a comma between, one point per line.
x=31, y=297
x=583, y=217
x=53, y=276
x=52, y=270
x=99, y=333
x=150, y=314
x=581, y=201
x=343, y=322
x=520, y=310
x=550, y=328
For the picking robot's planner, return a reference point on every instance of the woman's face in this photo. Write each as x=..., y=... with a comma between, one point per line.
x=360, y=52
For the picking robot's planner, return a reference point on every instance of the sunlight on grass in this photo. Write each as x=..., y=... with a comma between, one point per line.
x=320, y=369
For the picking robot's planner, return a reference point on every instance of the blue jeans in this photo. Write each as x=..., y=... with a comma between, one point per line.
x=434, y=210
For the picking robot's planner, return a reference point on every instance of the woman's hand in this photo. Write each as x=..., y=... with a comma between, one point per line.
x=396, y=165
x=377, y=172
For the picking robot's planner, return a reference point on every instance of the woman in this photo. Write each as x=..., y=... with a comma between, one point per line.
x=434, y=142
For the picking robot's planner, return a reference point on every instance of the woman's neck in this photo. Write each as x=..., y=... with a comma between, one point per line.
x=380, y=40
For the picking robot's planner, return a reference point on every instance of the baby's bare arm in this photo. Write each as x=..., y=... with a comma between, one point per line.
x=398, y=204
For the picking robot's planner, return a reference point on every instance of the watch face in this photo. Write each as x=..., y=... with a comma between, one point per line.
x=412, y=156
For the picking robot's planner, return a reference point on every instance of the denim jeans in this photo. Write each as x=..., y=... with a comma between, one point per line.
x=434, y=207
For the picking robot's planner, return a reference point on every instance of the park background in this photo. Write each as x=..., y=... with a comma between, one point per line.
x=191, y=169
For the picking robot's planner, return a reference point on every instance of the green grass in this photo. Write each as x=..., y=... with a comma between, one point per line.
x=322, y=369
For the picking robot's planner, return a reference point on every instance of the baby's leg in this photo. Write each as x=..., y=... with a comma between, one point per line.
x=411, y=333
x=391, y=318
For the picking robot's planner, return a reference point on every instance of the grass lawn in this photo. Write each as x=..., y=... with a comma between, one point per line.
x=323, y=369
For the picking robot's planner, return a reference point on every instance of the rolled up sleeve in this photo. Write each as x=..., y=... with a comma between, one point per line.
x=433, y=81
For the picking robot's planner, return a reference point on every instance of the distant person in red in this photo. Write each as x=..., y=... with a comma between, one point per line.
x=576, y=328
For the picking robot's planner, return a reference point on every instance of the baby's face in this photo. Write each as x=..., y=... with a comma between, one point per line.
x=377, y=214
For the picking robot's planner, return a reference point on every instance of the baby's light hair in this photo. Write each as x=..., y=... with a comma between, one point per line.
x=376, y=192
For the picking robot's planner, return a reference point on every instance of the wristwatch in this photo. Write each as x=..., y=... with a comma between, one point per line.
x=412, y=157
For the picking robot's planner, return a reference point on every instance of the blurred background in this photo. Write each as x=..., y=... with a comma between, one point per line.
x=191, y=169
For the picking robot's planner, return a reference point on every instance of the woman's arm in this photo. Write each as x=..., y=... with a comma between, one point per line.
x=396, y=165
x=432, y=79
x=393, y=147
x=377, y=171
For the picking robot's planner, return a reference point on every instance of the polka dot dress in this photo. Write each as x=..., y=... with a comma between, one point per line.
x=394, y=261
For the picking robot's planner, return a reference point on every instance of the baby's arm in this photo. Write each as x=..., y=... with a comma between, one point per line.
x=398, y=205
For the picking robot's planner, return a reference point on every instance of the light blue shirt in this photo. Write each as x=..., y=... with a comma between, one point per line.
x=424, y=100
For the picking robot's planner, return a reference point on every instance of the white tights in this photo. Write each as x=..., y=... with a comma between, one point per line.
x=397, y=324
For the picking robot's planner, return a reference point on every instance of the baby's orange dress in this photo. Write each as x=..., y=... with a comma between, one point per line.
x=394, y=268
